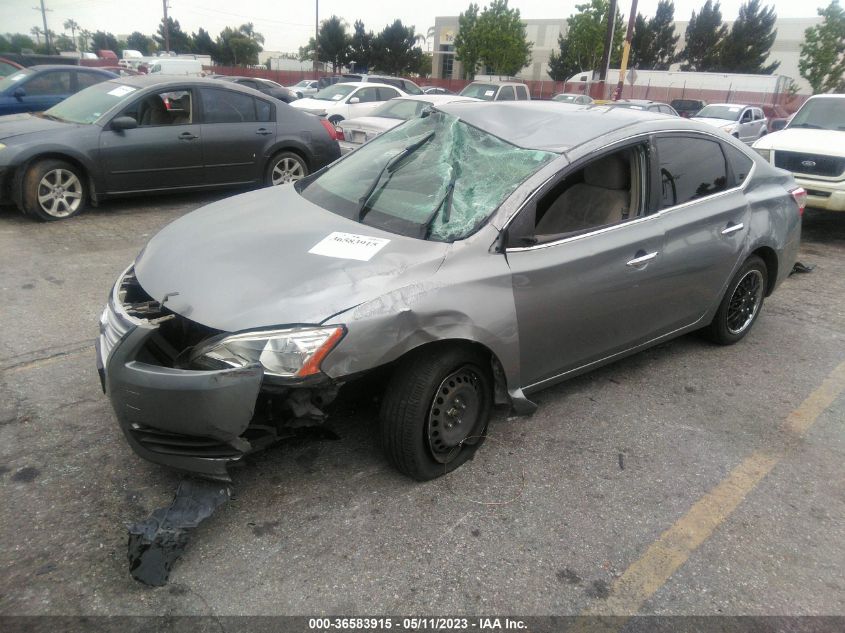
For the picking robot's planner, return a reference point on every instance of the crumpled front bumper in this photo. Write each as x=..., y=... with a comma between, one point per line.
x=186, y=419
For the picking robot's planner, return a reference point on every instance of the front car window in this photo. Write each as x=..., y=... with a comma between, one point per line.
x=337, y=92
x=726, y=112
x=411, y=88
x=821, y=113
x=88, y=105
x=413, y=197
x=403, y=109
x=486, y=92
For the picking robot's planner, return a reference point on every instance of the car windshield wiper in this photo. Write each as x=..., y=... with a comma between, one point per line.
x=445, y=203
x=390, y=167
x=52, y=117
x=812, y=126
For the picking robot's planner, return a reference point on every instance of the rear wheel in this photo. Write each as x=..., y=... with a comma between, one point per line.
x=435, y=410
x=741, y=304
x=285, y=167
x=53, y=190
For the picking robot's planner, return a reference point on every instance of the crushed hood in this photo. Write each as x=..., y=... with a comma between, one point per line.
x=243, y=263
x=19, y=124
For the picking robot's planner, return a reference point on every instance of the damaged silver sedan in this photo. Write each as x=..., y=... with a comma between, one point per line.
x=474, y=256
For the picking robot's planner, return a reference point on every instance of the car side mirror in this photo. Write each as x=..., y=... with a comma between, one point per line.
x=779, y=124
x=354, y=100
x=124, y=123
x=19, y=93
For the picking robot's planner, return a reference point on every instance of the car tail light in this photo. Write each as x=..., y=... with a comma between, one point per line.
x=799, y=194
x=330, y=128
x=339, y=133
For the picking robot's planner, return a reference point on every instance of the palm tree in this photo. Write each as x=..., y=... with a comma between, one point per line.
x=37, y=32
x=72, y=25
x=84, y=39
x=429, y=35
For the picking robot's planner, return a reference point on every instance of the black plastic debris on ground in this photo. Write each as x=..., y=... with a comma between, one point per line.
x=157, y=542
x=802, y=268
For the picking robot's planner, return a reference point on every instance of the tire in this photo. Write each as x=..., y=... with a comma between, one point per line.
x=741, y=304
x=54, y=190
x=283, y=168
x=421, y=439
x=335, y=119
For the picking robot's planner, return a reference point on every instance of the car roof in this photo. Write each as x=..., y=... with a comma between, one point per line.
x=554, y=126
x=497, y=82
x=365, y=84
x=435, y=99
x=735, y=105
x=157, y=80
x=65, y=67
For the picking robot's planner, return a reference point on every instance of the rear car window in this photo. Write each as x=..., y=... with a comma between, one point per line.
x=224, y=106
x=521, y=93
x=690, y=168
x=740, y=164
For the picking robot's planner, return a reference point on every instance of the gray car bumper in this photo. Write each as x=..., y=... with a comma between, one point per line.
x=186, y=419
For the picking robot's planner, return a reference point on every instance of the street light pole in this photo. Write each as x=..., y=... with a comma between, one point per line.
x=166, y=28
x=316, y=38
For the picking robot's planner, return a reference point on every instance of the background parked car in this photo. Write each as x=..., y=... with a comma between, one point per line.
x=7, y=67
x=325, y=82
x=497, y=91
x=687, y=107
x=747, y=123
x=346, y=100
x=355, y=132
x=121, y=71
x=177, y=66
x=38, y=88
x=277, y=91
x=812, y=147
x=436, y=90
x=405, y=85
x=571, y=97
x=305, y=88
x=155, y=134
x=644, y=105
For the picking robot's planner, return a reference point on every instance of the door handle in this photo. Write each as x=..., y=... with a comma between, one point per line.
x=187, y=136
x=732, y=228
x=263, y=131
x=641, y=260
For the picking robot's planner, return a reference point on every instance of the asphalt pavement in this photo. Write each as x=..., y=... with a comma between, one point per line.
x=689, y=479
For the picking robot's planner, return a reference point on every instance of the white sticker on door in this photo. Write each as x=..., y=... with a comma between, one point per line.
x=349, y=246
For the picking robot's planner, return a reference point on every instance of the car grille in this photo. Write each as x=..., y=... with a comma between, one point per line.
x=811, y=164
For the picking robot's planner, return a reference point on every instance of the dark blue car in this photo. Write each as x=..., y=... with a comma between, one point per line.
x=39, y=88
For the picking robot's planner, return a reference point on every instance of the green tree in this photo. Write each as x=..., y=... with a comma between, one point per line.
x=140, y=42
x=747, y=46
x=102, y=40
x=334, y=43
x=704, y=37
x=466, y=41
x=84, y=40
x=583, y=46
x=202, y=44
x=73, y=27
x=19, y=41
x=360, y=47
x=822, y=59
x=37, y=32
x=64, y=43
x=393, y=50
x=5, y=44
x=662, y=25
x=562, y=64
x=501, y=39
x=180, y=41
x=239, y=46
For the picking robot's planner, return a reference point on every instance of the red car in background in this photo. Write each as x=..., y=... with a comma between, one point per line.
x=7, y=67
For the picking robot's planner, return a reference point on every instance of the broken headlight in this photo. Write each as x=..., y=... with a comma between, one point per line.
x=290, y=353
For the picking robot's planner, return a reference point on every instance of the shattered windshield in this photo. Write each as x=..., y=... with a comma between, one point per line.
x=434, y=178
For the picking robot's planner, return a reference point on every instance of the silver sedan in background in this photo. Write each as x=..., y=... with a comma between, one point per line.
x=465, y=258
x=353, y=133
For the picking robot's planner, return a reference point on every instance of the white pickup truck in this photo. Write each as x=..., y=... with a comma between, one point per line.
x=812, y=147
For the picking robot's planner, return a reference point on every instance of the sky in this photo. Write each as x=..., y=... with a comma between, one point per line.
x=287, y=24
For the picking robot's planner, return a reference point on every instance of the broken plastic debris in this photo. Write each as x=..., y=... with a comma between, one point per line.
x=802, y=268
x=159, y=540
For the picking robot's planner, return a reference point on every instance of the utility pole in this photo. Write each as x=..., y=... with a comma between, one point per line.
x=626, y=49
x=166, y=28
x=316, y=38
x=44, y=18
x=608, y=45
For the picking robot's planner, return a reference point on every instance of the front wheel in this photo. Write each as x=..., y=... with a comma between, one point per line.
x=435, y=410
x=285, y=167
x=53, y=190
x=741, y=304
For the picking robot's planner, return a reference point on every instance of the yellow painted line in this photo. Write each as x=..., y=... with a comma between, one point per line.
x=672, y=549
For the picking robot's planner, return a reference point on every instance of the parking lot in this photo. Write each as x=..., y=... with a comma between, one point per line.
x=689, y=479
